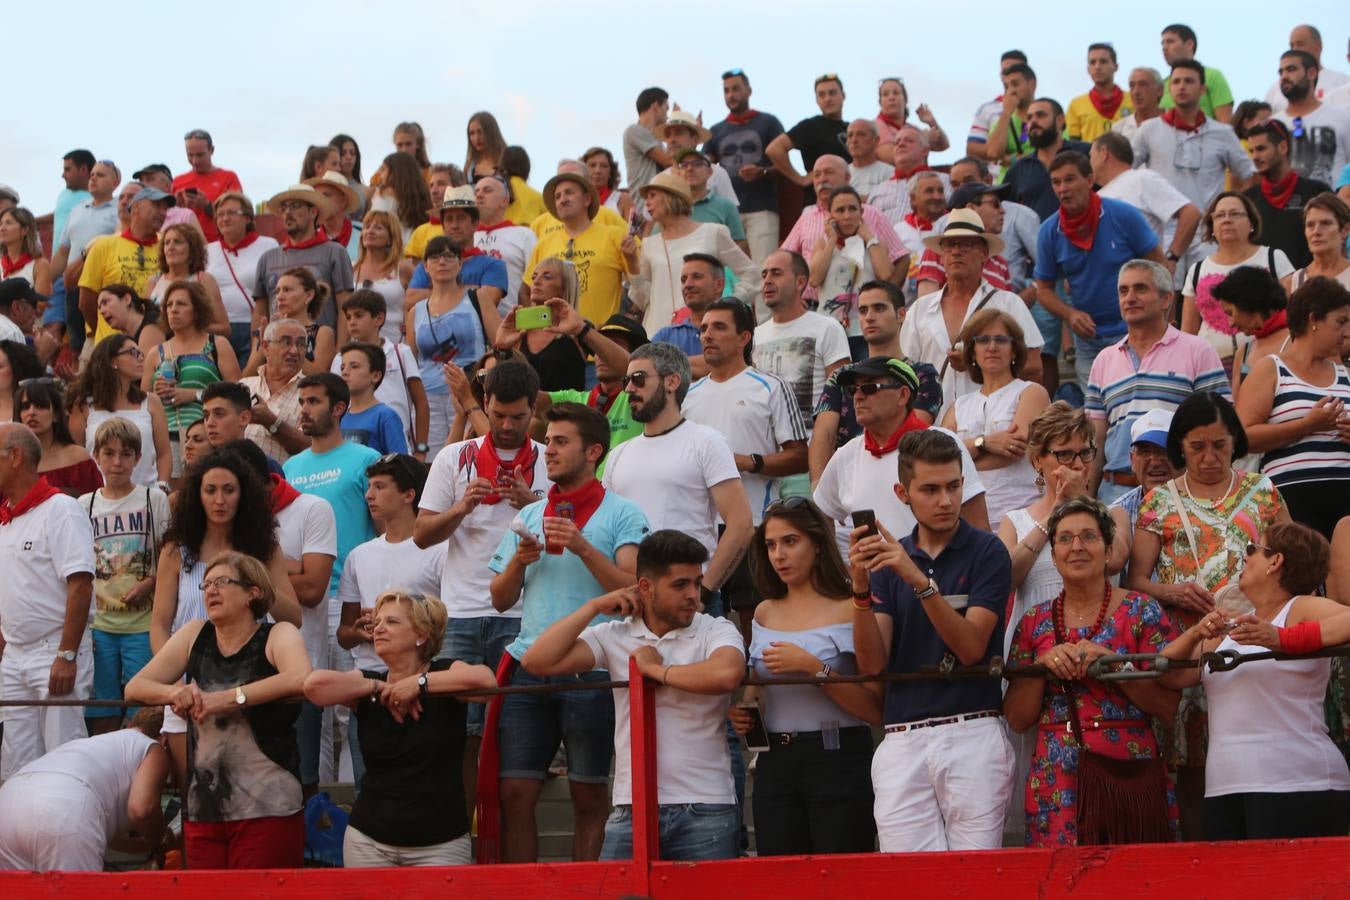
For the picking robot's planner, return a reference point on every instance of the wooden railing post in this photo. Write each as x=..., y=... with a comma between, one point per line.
x=642, y=738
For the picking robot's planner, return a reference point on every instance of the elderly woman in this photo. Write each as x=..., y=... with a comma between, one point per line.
x=1326, y=226
x=1255, y=303
x=1273, y=772
x=243, y=804
x=410, y=811
x=994, y=421
x=233, y=262
x=182, y=257
x=656, y=288
x=847, y=256
x=1293, y=406
x=1234, y=224
x=1074, y=712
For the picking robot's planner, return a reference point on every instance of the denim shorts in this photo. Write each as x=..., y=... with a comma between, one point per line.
x=532, y=725
x=478, y=641
x=117, y=657
x=688, y=831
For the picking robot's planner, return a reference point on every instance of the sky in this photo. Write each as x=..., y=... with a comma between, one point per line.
x=128, y=81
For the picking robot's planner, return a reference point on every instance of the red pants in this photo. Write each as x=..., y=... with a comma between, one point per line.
x=275, y=842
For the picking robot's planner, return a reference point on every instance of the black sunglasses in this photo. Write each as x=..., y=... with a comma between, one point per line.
x=404, y=462
x=787, y=503
x=637, y=379
x=869, y=388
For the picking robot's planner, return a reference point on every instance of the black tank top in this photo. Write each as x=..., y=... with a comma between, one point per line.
x=561, y=365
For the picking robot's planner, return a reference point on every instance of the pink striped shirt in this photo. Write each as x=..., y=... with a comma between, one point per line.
x=811, y=225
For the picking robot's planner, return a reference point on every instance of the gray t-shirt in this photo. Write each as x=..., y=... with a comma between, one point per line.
x=1194, y=162
x=329, y=263
x=637, y=140
x=86, y=222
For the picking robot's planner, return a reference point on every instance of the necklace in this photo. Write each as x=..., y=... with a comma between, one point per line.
x=668, y=430
x=1186, y=482
x=1057, y=611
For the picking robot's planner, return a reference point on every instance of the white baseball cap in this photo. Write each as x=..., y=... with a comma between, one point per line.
x=1152, y=427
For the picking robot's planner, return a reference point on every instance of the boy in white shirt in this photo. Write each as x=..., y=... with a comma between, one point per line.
x=401, y=389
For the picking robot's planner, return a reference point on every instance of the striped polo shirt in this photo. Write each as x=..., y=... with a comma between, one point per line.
x=1123, y=387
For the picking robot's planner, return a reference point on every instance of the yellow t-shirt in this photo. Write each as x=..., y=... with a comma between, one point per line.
x=1082, y=122
x=112, y=259
x=526, y=204
x=600, y=266
x=546, y=224
x=416, y=247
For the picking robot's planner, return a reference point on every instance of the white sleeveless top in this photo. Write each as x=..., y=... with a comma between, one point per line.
x=1042, y=584
x=146, y=472
x=191, y=601
x=1267, y=732
x=391, y=289
x=1009, y=487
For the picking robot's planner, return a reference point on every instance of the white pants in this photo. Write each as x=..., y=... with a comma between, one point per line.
x=32, y=731
x=943, y=788
x=50, y=822
x=761, y=233
x=362, y=852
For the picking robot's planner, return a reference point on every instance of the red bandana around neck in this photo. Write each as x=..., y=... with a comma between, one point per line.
x=320, y=237
x=38, y=494
x=894, y=123
x=604, y=193
x=245, y=241
x=504, y=223
x=1279, y=193
x=10, y=266
x=600, y=399
x=912, y=423
x=470, y=251
x=345, y=234
x=1107, y=107
x=490, y=466
x=742, y=118
x=918, y=221
x=148, y=242
x=283, y=494
x=903, y=174
x=584, y=501
x=1080, y=230
x=1170, y=117
x=1273, y=324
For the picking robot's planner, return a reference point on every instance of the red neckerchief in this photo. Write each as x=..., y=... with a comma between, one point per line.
x=345, y=234
x=902, y=174
x=1279, y=193
x=1170, y=117
x=489, y=465
x=600, y=399
x=283, y=494
x=584, y=501
x=249, y=238
x=11, y=266
x=1273, y=324
x=320, y=237
x=470, y=251
x=742, y=118
x=504, y=223
x=39, y=493
x=1108, y=107
x=604, y=193
x=912, y=423
x=1079, y=230
x=894, y=123
x=148, y=242
x=918, y=221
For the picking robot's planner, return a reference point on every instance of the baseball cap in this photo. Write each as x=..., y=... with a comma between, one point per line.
x=879, y=367
x=623, y=327
x=1152, y=427
x=690, y=151
x=12, y=289
x=154, y=194
x=153, y=167
x=7, y=191
x=972, y=191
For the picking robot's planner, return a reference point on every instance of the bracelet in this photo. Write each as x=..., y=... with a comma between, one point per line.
x=1305, y=637
x=863, y=601
x=1045, y=531
x=665, y=675
x=585, y=330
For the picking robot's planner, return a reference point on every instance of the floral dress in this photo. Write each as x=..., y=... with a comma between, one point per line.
x=1138, y=625
x=1222, y=529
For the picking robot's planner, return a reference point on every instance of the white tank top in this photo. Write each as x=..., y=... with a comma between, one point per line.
x=1042, y=584
x=1266, y=728
x=191, y=601
x=146, y=472
x=1009, y=487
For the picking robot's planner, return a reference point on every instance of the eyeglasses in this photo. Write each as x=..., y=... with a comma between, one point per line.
x=636, y=379
x=787, y=503
x=949, y=244
x=1230, y=214
x=868, y=388
x=220, y=581
x=1297, y=131
x=734, y=73
x=287, y=341
x=229, y=212
x=1089, y=538
x=443, y=256
x=1066, y=457
x=998, y=340
x=288, y=205
x=133, y=351
x=1252, y=548
x=693, y=163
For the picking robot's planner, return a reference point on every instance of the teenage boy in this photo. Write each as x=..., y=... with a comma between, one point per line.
x=367, y=420
x=401, y=388
x=129, y=522
x=227, y=411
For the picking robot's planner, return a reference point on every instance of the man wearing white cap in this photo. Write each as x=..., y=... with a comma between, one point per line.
x=343, y=200
x=683, y=131
x=308, y=246
x=1152, y=468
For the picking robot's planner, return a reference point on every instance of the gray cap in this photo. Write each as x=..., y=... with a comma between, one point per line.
x=149, y=193
x=7, y=191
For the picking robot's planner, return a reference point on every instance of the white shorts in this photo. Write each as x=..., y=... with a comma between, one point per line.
x=362, y=852
x=173, y=723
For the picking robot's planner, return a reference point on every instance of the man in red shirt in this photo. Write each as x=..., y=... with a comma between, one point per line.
x=199, y=187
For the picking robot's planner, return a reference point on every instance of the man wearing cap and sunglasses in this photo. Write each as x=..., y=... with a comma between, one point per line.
x=198, y=187
x=307, y=245
x=814, y=137
x=130, y=258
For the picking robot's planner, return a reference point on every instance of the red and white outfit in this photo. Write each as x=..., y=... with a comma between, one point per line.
x=235, y=269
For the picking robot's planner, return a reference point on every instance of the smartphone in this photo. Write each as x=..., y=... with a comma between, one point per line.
x=757, y=738
x=530, y=318
x=865, y=518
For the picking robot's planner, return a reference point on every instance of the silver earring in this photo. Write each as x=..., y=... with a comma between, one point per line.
x=420, y=643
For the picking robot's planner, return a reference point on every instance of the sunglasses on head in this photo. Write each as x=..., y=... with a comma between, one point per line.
x=404, y=462
x=734, y=73
x=787, y=503
x=828, y=76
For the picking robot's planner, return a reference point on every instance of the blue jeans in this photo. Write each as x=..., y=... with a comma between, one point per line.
x=1085, y=352
x=688, y=832
x=241, y=340
x=1109, y=493
x=1051, y=329
x=117, y=657
x=478, y=641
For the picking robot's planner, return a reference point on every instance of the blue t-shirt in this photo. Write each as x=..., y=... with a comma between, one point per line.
x=975, y=566
x=557, y=586
x=476, y=270
x=379, y=428
x=66, y=201
x=1122, y=235
x=338, y=476
x=455, y=335
x=683, y=335
x=1030, y=181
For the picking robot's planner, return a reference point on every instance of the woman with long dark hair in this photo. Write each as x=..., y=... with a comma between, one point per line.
x=320, y=158
x=18, y=363
x=813, y=788
x=486, y=146
x=349, y=163
x=40, y=404
x=109, y=386
x=403, y=192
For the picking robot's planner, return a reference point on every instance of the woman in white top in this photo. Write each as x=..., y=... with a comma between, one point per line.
x=182, y=257
x=656, y=287
x=233, y=262
x=846, y=256
x=376, y=268
x=1326, y=226
x=21, y=250
x=1234, y=224
x=1272, y=770
x=994, y=421
x=109, y=386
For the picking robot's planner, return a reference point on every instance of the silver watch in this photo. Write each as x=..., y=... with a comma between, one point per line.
x=927, y=592
x=67, y=655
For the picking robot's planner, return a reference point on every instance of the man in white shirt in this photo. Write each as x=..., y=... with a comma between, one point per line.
x=1308, y=39
x=799, y=346
x=855, y=477
x=47, y=544
x=1319, y=135
x=497, y=236
x=1112, y=160
x=698, y=661
x=865, y=171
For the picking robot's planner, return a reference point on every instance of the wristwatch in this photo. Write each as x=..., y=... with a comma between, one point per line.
x=825, y=672
x=756, y=463
x=585, y=330
x=927, y=592
x=979, y=444
x=423, y=686
x=421, y=447
x=198, y=395
x=240, y=698
x=275, y=426
x=1173, y=256
x=67, y=655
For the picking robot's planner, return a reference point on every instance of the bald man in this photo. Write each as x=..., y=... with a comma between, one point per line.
x=47, y=544
x=1308, y=39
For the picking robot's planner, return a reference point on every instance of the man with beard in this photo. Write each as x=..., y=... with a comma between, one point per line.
x=1146, y=93
x=702, y=283
x=699, y=661
x=737, y=144
x=308, y=246
x=583, y=543
x=814, y=137
x=1319, y=135
x=1030, y=175
x=682, y=474
x=1329, y=81
x=1282, y=192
